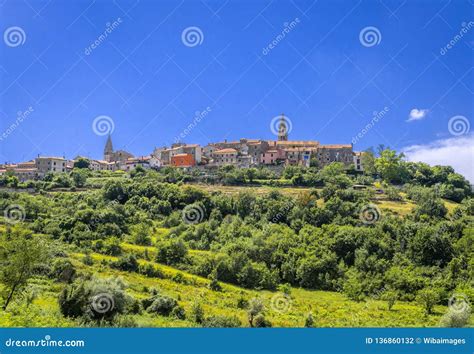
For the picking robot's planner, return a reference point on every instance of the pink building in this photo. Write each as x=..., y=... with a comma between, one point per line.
x=272, y=156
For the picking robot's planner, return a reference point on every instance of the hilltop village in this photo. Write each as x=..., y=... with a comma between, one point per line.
x=243, y=153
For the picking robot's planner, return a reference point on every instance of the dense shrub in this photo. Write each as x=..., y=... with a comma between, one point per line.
x=94, y=300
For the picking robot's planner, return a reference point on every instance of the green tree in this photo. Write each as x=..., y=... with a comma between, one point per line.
x=141, y=235
x=20, y=254
x=255, y=308
x=309, y=321
x=391, y=296
x=79, y=177
x=81, y=162
x=428, y=298
x=391, y=167
x=368, y=162
x=197, y=312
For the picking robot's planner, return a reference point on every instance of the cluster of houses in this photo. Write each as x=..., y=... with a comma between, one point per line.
x=244, y=153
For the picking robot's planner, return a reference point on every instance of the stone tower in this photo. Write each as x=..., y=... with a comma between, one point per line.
x=283, y=129
x=108, y=150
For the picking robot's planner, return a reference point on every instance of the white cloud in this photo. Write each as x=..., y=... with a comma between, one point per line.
x=457, y=152
x=417, y=114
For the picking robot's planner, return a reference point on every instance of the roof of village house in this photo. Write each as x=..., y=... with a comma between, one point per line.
x=225, y=151
x=51, y=157
x=137, y=159
x=300, y=148
x=295, y=142
x=336, y=146
x=184, y=146
x=182, y=155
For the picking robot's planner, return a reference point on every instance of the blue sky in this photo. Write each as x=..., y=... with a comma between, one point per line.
x=322, y=73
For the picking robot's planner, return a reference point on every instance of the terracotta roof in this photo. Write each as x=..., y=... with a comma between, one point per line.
x=336, y=146
x=225, y=151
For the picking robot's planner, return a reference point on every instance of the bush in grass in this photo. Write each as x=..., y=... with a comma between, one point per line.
x=126, y=263
x=242, y=303
x=428, y=298
x=197, y=313
x=456, y=318
x=309, y=321
x=222, y=322
x=88, y=260
x=149, y=270
x=94, y=299
x=63, y=270
x=391, y=296
x=214, y=285
x=255, y=308
x=285, y=289
x=179, y=278
x=162, y=305
x=125, y=321
x=260, y=321
x=178, y=312
x=141, y=235
x=171, y=251
x=353, y=288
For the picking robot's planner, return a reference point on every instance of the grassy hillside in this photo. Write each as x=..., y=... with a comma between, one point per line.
x=222, y=250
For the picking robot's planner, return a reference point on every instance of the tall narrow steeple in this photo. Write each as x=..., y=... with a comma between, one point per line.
x=109, y=149
x=283, y=129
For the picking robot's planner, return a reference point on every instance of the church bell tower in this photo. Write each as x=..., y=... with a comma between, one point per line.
x=283, y=129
